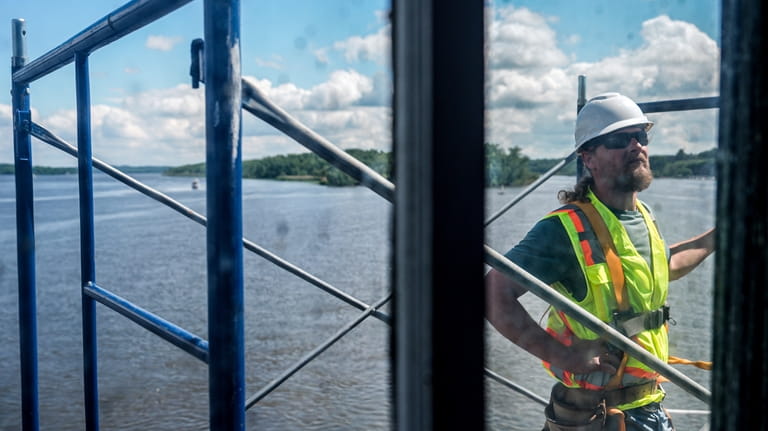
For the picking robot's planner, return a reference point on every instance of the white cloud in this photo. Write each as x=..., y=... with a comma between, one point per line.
x=288, y=96
x=258, y=146
x=691, y=132
x=178, y=101
x=515, y=88
x=685, y=56
x=157, y=127
x=5, y=115
x=116, y=123
x=321, y=57
x=275, y=63
x=531, y=97
x=344, y=88
x=532, y=91
x=6, y=134
x=168, y=126
x=162, y=43
x=520, y=38
x=333, y=109
x=373, y=47
x=675, y=60
x=360, y=127
x=573, y=39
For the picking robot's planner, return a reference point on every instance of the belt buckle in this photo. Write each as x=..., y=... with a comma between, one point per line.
x=654, y=319
x=619, y=317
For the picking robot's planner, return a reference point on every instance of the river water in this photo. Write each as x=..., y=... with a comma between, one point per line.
x=155, y=258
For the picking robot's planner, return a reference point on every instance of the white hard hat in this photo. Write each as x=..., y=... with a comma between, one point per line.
x=607, y=113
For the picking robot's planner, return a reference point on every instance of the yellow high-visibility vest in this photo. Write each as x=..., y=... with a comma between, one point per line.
x=646, y=288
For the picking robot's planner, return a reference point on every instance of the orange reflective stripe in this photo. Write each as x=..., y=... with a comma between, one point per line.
x=559, y=373
x=560, y=211
x=574, y=218
x=586, y=226
x=567, y=324
x=586, y=385
x=567, y=378
x=556, y=335
x=576, y=221
x=585, y=247
x=587, y=252
x=641, y=373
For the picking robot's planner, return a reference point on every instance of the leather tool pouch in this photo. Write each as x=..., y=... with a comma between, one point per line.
x=566, y=417
x=585, y=415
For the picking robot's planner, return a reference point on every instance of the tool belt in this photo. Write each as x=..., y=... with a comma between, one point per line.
x=575, y=409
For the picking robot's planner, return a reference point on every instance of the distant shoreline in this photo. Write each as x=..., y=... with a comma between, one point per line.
x=504, y=167
x=8, y=169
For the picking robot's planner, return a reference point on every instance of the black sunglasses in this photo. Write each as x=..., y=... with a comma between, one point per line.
x=619, y=141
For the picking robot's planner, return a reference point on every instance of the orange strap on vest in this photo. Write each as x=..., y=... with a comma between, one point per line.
x=617, y=274
x=611, y=257
x=704, y=365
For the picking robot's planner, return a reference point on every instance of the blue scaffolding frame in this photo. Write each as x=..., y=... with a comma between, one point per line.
x=224, y=350
x=426, y=72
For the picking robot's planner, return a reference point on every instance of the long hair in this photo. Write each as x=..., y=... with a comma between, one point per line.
x=579, y=192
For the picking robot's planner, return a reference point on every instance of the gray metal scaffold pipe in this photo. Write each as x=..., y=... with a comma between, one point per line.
x=533, y=186
x=255, y=102
x=46, y=136
x=284, y=122
x=551, y=296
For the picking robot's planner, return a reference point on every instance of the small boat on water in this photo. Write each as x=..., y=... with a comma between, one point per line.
x=195, y=184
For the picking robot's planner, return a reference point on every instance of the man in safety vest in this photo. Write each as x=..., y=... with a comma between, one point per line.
x=603, y=251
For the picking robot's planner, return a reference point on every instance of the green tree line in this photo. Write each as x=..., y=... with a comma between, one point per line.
x=8, y=169
x=304, y=167
x=504, y=167
x=683, y=165
x=507, y=167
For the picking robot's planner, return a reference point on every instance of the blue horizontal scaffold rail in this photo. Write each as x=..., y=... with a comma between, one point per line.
x=117, y=24
x=166, y=330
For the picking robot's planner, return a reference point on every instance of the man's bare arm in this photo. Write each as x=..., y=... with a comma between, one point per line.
x=687, y=255
x=509, y=317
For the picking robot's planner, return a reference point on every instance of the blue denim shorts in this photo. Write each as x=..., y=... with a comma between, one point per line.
x=650, y=417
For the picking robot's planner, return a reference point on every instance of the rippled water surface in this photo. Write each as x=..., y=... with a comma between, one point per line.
x=155, y=258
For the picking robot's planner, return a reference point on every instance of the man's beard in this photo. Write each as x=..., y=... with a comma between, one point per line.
x=635, y=180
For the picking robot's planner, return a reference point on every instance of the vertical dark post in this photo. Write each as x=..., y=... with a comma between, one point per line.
x=25, y=234
x=87, y=240
x=740, y=342
x=439, y=150
x=224, y=202
x=580, y=102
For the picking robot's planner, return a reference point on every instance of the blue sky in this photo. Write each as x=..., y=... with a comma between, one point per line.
x=326, y=62
x=602, y=27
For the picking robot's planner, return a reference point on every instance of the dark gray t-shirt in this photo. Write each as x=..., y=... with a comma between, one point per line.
x=546, y=251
